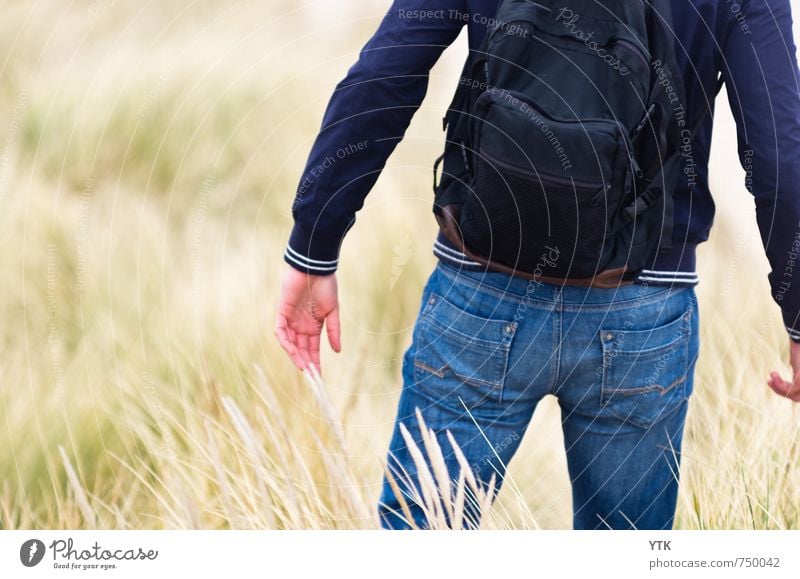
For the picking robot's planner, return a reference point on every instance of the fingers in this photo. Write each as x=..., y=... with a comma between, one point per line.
x=313, y=346
x=306, y=352
x=783, y=388
x=303, y=347
x=774, y=381
x=303, y=350
x=286, y=338
x=334, y=330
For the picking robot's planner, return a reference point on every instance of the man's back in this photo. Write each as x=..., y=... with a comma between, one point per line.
x=749, y=44
x=487, y=347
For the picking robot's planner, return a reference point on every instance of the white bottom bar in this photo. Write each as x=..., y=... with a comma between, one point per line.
x=419, y=554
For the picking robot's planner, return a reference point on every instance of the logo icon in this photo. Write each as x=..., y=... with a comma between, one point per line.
x=32, y=552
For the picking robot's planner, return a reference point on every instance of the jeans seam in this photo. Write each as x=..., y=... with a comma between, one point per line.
x=617, y=305
x=557, y=327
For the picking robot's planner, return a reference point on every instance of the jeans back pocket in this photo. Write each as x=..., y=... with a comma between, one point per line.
x=460, y=356
x=646, y=372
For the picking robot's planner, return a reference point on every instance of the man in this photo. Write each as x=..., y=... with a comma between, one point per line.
x=488, y=346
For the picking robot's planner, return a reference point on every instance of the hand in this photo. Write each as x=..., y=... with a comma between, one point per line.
x=790, y=390
x=307, y=301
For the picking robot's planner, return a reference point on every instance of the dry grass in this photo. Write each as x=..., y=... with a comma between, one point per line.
x=148, y=156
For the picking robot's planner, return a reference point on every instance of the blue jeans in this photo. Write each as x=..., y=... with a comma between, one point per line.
x=487, y=347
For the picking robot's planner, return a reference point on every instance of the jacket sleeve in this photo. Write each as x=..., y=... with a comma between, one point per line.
x=365, y=119
x=761, y=75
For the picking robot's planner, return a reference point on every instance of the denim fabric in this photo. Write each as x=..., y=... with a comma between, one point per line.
x=620, y=362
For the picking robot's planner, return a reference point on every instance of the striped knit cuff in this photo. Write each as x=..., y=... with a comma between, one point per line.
x=313, y=254
x=793, y=334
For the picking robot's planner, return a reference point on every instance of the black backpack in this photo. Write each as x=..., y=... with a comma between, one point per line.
x=564, y=142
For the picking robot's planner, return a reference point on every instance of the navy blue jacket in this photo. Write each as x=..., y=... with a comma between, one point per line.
x=749, y=42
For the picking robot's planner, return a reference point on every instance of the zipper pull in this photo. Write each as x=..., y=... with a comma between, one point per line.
x=600, y=194
x=465, y=158
x=636, y=168
x=643, y=122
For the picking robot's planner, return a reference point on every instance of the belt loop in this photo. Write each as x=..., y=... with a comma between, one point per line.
x=558, y=297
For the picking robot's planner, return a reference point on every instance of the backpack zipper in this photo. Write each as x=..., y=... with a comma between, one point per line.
x=634, y=49
x=549, y=178
x=522, y=97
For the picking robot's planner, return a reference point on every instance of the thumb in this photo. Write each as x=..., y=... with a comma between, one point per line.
x=334, y=330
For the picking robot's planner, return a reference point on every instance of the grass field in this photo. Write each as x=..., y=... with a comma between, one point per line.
x=149, y=154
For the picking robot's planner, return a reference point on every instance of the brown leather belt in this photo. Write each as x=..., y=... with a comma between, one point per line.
x=448, y=222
